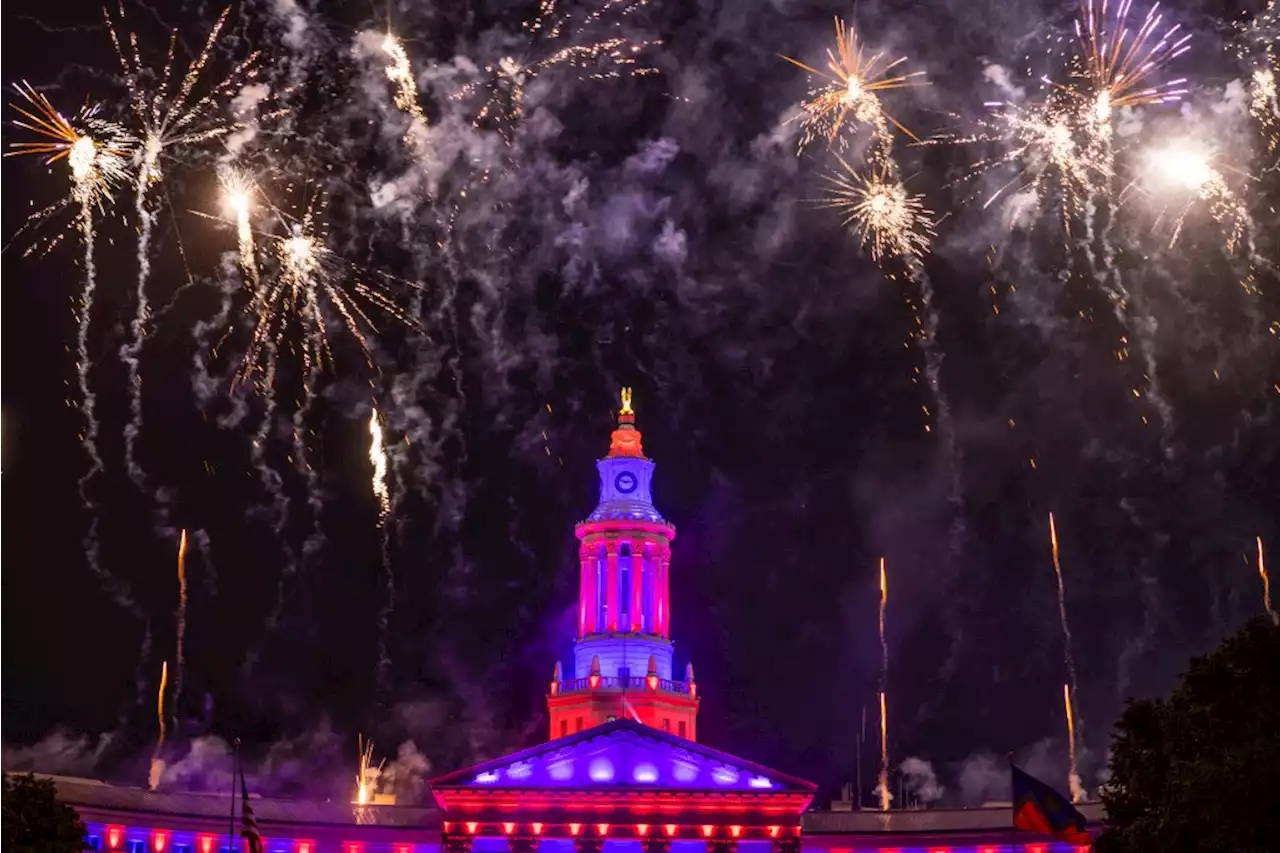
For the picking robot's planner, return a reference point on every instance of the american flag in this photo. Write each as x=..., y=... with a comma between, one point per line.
x=248, y=824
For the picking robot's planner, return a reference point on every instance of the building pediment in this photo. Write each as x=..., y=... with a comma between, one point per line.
x=623, y=755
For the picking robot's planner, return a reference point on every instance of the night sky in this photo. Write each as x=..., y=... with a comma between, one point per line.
x=660, y=232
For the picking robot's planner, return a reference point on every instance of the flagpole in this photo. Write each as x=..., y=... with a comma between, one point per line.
x=231, y=822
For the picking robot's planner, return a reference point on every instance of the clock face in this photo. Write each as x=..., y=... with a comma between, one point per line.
x=625, y=482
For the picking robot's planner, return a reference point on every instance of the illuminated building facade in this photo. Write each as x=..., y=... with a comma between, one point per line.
x=620, y=773
x=623, y=655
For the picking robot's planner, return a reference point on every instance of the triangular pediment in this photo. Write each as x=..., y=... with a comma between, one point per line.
x=623, y=754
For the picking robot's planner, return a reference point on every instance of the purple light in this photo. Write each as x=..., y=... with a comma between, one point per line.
x=487, y=778
x=561, y=771
x=645, y=773
x=759, y=782
x=601, y=770
x=520, y=770
x=683, y=771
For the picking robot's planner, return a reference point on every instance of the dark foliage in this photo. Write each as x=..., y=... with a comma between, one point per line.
x=34, y=820
x=1200, y=770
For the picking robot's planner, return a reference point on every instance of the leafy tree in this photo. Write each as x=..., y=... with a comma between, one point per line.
x=1199, y=771
x=34, y=820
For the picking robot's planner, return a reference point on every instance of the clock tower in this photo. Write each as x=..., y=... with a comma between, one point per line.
x=623, y=655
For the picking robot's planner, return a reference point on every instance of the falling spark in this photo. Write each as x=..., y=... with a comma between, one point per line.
x=507, y=80
x=400, y=73
x=849, y=94
x=1077, y=792
x=1122, y=64
x=182, y=616
x=883, y=787
x=157, y=766
x=367, y=778
x=1188, y=168
x=1258, y=47
x=1266, y=585
x=164, y=123
x=880, y=212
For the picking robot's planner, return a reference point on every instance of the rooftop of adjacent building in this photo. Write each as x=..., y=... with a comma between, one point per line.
x=145, y=805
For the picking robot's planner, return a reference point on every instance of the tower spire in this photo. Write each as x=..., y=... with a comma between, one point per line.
x=625, y=440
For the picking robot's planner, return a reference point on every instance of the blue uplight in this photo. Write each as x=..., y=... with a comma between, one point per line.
x=487, y=778
x=520, y=770
x=759, y=782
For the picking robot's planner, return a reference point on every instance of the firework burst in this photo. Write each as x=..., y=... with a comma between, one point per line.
x=878, y=209
x=850, y=93
x=506, y=80
x=310, y=278
x=1187, y=168
x=1258, y=48
x=96, y=153
x=1122, y=65
x=1048, y=146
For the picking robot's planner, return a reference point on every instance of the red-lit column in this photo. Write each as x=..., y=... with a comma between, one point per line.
x=612, y=602
x=664, y=591
x=637, y=586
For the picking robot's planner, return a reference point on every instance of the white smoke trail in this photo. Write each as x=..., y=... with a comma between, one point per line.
x=131, y=349
x=118, y=591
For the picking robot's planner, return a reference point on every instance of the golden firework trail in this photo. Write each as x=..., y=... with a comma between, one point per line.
x=1073, y=777
x=400, y=73
x=367, y=777
x=1186, y=167
x=877, y=208
x=850, y=93
x=1266, y=585
x=238, y=190
x=883, y=787
x=1077, y=793
x=157, y=766
x=1122, y=64
x=506, y=80
x=182, y=616
x=378, y=458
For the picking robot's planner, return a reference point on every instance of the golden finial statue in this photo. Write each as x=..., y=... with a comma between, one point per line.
x=626, y=402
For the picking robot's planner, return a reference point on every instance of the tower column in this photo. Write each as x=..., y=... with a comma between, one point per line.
x=613, y=602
